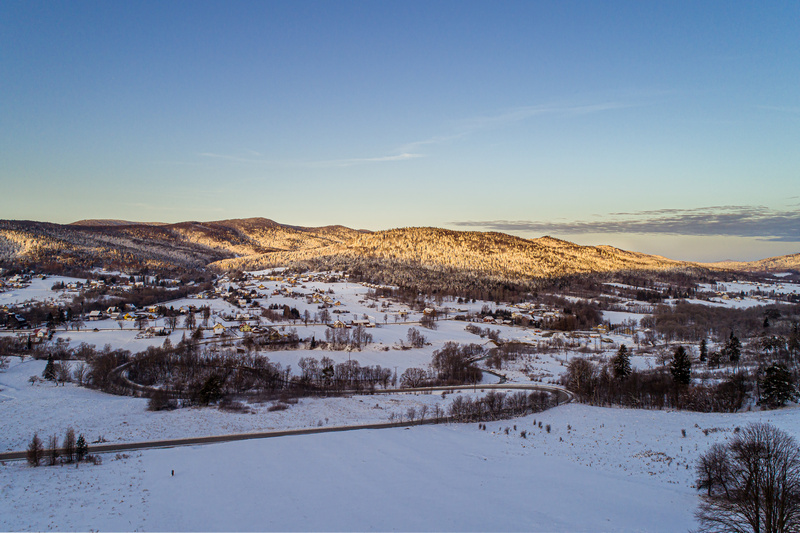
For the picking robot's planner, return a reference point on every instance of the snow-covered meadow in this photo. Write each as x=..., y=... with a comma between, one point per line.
x=596, y=470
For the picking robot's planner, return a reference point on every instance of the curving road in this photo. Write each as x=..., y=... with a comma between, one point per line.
x=562, y=394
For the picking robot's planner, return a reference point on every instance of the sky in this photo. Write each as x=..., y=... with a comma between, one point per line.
x=670, y=128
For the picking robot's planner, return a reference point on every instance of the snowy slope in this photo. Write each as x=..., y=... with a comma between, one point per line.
x=448, y=478
x=610, y=470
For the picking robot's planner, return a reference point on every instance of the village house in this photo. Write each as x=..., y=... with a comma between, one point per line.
x=40, y=335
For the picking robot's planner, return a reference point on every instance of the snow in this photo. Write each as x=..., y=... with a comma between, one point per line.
x=618, y=317
x=596, y=469
x=48, y=409
x=614, y=470
x=747, y=287
x=40, y=290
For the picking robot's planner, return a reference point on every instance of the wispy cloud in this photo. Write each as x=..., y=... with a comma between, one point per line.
x=412, y=150
x=473, y=125
x=781, y=109
x=523, y=113
x=329, y=163
x=358, y=161
x=742, y=221
x=235, y=158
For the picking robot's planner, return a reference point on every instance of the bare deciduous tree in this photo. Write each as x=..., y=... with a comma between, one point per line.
x=415, y=338
x=752, y=483
x=35, y=450
x=69, y=445
x=53, y=451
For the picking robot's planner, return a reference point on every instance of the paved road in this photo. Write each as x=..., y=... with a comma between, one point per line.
x=564, y=396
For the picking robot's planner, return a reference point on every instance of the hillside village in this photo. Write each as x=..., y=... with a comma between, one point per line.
x=379, y=340
x=248, y=297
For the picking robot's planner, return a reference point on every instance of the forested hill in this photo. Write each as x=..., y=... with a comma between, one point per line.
x=124, y=245
x=782, y=263
x=446, y=252
x=405, y=256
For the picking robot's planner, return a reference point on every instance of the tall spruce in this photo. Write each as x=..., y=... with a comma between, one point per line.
x=681, y=367
x=733, y=349
x=81, y=448
x=777, y=386
x=49, y=372
x=621, y=363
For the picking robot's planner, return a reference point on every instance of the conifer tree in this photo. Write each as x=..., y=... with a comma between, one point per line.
x=681, y=367
x=777, y=386
x=703, y=351
x=794, y=340
x=733, y=349
x=81, y=448
x=621, y=364
x=49, y=369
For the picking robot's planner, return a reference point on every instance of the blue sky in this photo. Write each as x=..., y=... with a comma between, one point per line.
x=663, y=127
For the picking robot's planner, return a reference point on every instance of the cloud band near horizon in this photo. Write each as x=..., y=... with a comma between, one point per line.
x=735, y=221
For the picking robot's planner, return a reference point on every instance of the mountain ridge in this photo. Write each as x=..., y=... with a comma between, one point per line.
x=257, y=242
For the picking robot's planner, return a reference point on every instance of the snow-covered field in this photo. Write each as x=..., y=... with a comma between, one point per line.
x=48, y=409
x=596, y=469
x=612, y=470
x=748, y=287
x=40, y=290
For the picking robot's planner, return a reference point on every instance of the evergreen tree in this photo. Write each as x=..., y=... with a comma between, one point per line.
x=81, y=448
x=621, y=363
x=49, y=369
x=703, y=351
x=681, y=367
x=777, y=386
x=211, y=391
x=794, y=340
x=733, y=349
